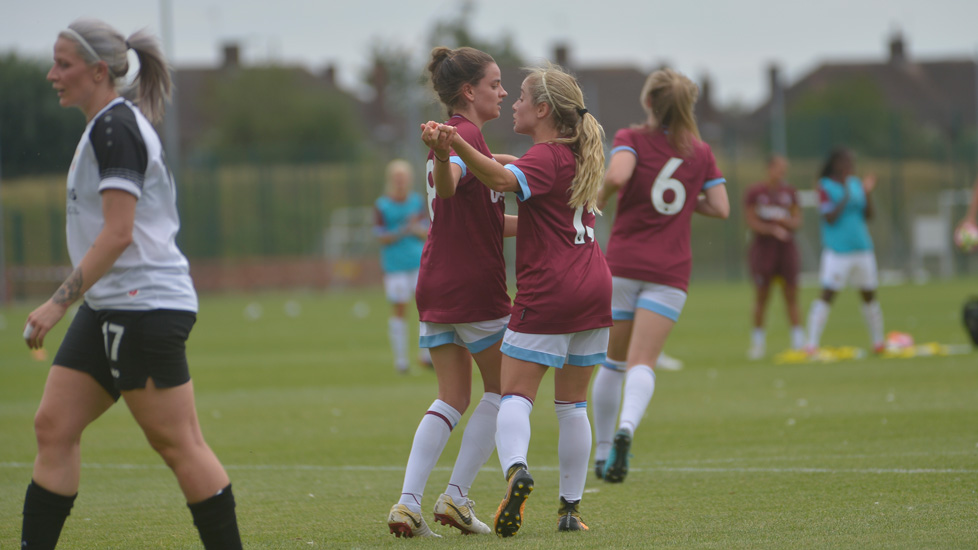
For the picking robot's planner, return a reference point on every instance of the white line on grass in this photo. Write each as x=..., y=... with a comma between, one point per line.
x=683, y=470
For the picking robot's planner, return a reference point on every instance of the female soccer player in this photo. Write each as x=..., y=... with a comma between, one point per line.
x=773, y=215
x=401, y=226
x=139, y=302
x=663, y=173
x=563, y=300
x=847, y=248
x=462, y=297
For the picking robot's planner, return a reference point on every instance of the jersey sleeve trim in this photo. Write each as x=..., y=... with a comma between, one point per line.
x=624, y=148
x=122, y=184
x=714, y=183
x=523, y=192
x=460, y=163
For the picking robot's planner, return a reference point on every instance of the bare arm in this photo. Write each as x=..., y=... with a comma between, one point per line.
x=505, y=159
x=714, y=202
x=869, y=183
x=492, y=174
x=119, y=212
x=509, y=226
x=793, y=221
x=971, y=217
x=620, y=170
x=445, y=174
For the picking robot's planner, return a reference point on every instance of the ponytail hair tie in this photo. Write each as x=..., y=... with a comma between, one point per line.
x=128, y=47
x=581, y=112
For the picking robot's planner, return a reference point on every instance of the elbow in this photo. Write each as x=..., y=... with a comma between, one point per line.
x=445, y=193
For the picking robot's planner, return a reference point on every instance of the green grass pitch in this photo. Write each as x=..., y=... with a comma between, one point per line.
x=303, y=407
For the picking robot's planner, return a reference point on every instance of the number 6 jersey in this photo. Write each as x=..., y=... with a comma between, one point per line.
x=650, y=236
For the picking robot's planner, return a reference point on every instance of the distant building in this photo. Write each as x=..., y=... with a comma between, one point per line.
x=938, y=94
x=195, y=85
x=611, y=94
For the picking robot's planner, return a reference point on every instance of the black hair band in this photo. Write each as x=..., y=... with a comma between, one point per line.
x=581, y=112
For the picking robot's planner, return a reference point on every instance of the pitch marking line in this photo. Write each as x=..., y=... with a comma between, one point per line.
x=682, y=470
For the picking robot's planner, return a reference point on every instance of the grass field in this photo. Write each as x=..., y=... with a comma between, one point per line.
x=314, y=427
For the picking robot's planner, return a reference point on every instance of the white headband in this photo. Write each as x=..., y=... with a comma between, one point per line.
x=553, y=106
x=81, y=40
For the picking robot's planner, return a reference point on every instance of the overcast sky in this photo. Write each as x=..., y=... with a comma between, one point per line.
x=733, y=41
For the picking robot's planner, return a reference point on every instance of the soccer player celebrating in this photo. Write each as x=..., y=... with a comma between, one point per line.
x=773, y=215
x=662, y=173
x=462, y=297
x=562, y=307
x=128, y=336
x=402, y=227
x=847, y=248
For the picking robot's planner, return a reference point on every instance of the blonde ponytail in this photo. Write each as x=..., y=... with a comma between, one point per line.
x=577, y=128
x=98, y=41
x=669, y=97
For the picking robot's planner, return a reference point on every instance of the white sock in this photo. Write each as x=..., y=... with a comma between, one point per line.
x=429, y=441
x=573, y=448
x=818, y=314
x=874, y=320
x=478, y=441
x=639, y=387
x=605, y=402
x=757, y=338
x=397, y=333
x=797, y=337
x=513, y=430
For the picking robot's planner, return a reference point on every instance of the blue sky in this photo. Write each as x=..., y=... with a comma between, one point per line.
x=732, y=41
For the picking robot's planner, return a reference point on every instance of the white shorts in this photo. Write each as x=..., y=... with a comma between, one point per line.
x=475, y=337
x=858, y=268
x=629, y=294
x=582, y=349
x=399, y=286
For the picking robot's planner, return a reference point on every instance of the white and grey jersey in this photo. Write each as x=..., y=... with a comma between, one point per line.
x=121, y=150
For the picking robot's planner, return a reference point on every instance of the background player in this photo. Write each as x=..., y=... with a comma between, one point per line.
x=402, y=227
x=562, y=307
x=462, y=297
x=847, y=248
x=663, y=173
x=773, y=214
x=139, y=302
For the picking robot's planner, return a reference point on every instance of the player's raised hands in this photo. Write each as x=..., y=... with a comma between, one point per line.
x=869, y=183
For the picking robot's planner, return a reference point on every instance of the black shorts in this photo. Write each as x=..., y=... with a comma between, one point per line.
x=122, y=349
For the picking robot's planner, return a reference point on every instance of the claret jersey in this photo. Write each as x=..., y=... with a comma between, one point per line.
x=463, y=273
x=562, y=281
x=120, y=150
x=650, y=238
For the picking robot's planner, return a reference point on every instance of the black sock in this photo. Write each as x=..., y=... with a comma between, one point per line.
x=216, y=521
x=44, y=516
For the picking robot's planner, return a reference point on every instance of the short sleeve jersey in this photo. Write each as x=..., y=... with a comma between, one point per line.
x=120, y=150
x=392, y=216
x=849, y=233
x=650, y=237
x=463, y=272
x=771, y=204
x=562, y=280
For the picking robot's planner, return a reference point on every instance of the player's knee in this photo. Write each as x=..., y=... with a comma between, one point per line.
x=51, y=431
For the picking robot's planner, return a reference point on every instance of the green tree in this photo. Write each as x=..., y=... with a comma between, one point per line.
x=454, y=32
x=281, y=114
x=37, y=135
x=853, y=113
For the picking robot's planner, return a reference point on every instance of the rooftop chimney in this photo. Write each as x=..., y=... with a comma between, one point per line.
x=232, y=55
x=898, y=52
x=561, y=54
